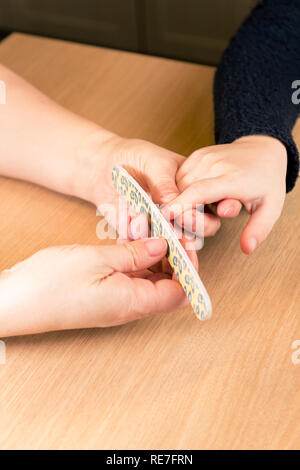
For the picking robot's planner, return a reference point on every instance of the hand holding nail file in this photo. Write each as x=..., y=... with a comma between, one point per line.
x=176, y=255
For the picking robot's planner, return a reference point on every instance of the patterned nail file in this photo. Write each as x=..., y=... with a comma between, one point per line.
x=185, y=272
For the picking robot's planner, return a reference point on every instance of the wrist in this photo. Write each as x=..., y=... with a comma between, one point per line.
x=266, y=140
x=91, y=159
x=273, y=148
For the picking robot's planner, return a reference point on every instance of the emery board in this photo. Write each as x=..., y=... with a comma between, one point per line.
x=185, y=272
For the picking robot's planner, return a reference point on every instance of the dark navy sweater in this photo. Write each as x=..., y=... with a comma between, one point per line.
x=253, y=82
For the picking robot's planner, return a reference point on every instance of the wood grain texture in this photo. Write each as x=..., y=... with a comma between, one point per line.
x=169, y=381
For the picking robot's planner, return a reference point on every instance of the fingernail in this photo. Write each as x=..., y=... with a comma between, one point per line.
x=252, y=244
x=155, y=246
x=228, y=211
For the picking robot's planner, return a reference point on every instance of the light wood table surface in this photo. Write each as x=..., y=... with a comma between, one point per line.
x=168, y=381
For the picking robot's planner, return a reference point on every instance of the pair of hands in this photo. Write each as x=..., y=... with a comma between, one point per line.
x=69, y=287
x=250, y=171
x=73, y=287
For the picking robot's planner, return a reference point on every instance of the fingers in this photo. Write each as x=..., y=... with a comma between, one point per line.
x=139, y=227
x=163, y=189
x=259, y=226
x=229, y=208
x=188, y=172
x=192, y=254
x=161, y=178
x=162, y=267
x=191, y=220
x=211, y=225
x=160, y=296
x=116, y=217
x=134, y=256
x=205, y=191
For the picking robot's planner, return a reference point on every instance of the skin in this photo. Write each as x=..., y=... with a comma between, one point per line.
x=250, y=171
x=46, y=144
x=71, y=287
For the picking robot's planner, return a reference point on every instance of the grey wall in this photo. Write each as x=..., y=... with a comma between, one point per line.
x=195, y=30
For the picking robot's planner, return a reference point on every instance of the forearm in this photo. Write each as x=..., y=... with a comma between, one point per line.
x=42, y=142
x=253, y=83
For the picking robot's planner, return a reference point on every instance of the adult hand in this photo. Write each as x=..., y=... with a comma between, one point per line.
x=86, y=286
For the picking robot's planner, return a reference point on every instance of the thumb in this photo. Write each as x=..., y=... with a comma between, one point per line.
x=136, y=255
x=259, y=226
x=162, y=184
x=164, y=191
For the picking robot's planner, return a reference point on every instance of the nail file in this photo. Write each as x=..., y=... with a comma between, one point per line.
x=185, y=272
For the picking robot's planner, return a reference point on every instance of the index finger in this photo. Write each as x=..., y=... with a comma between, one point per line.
x=202, y=192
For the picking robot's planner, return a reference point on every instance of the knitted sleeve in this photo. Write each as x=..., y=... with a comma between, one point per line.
x=255, y=87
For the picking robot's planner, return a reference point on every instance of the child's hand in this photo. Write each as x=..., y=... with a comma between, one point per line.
x=86, y=286
x=251, y=170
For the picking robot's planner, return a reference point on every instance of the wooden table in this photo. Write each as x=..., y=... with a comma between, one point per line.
x=169, y=381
